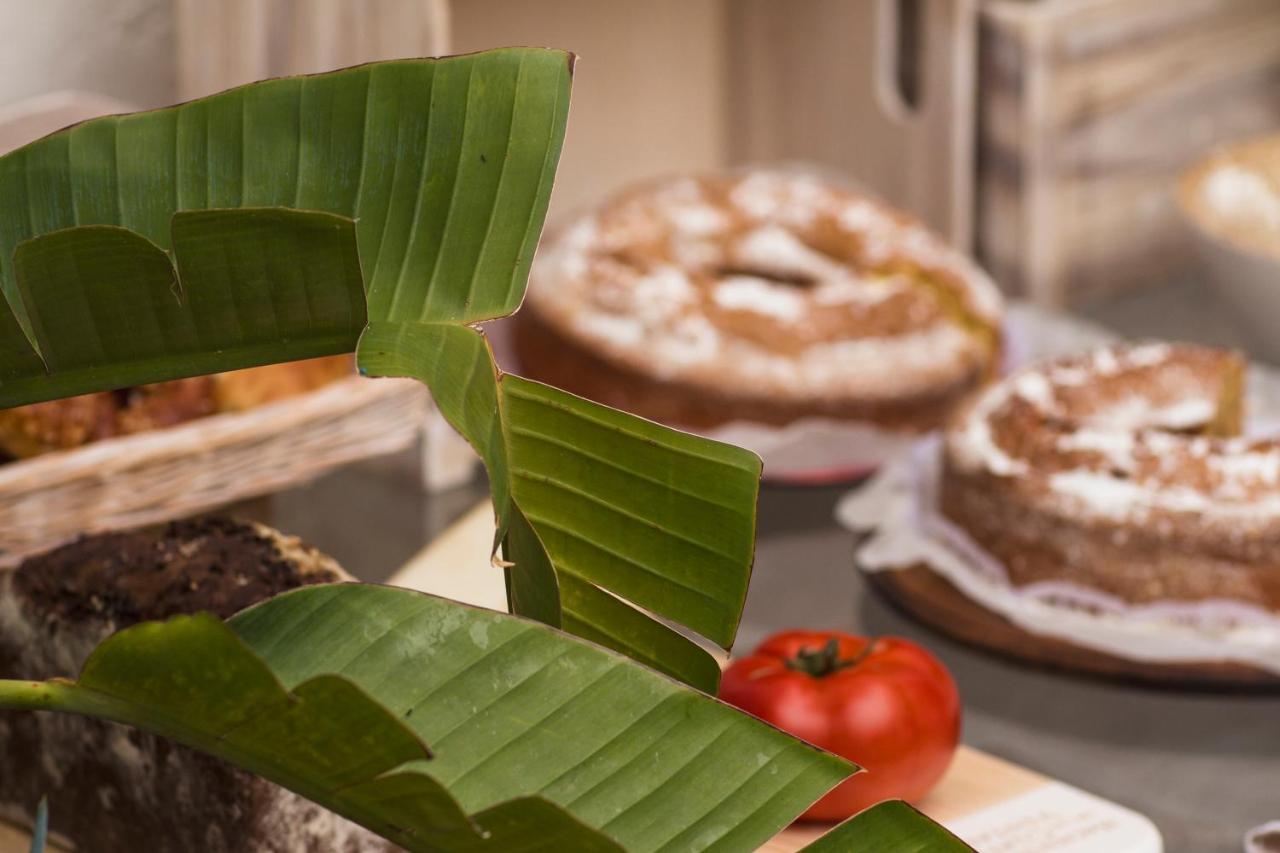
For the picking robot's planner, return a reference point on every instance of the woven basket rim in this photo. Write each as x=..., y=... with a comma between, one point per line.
x=203, y=436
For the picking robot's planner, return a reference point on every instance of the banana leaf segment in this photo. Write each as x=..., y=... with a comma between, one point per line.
x=244, y=228
x=446, y=727
x=238, y=229
x=398, y=204
x=891, y=825
x=608, y=520
x=108, y=308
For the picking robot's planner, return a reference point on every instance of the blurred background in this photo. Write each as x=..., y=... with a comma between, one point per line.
x=1061, y=142
x=1044, y=135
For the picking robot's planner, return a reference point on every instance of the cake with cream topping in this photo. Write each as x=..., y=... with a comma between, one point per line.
x=1123, y=471
x=763, y=296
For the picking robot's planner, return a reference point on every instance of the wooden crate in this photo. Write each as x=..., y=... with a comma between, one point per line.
x=822, y=82
x=1088, y=109
x=1047, y=135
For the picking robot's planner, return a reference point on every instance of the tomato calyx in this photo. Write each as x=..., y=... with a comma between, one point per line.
x=826, y=660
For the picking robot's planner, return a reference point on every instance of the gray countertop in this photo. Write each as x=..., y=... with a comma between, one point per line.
x=1204, y=767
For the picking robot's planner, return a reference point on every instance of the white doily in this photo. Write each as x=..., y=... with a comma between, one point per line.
x=900, y=505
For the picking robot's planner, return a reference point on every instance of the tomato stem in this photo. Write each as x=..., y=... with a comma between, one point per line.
x=826, y=660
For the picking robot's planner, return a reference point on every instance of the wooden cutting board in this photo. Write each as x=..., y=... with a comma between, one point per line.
x=932, y=600
x=989, y=802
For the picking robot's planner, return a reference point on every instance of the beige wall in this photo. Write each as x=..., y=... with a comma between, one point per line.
x=122, y=48
x=649, y=95
x=649, y=92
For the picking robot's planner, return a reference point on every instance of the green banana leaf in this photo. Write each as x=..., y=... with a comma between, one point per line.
x=242, y=229
x=107, y=308
x=597, y=506
x=891, y=825
x=446, y=727
x=273, y=222
x=435, y=173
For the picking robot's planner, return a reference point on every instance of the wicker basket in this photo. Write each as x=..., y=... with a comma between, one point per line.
x=169, y=473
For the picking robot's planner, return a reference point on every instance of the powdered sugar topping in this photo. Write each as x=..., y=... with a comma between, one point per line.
x=770, y=282
x=746, y=293
x=1111, y=435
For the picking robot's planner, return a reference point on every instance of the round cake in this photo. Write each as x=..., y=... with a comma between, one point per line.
x=763, y=296
x=1121, y=471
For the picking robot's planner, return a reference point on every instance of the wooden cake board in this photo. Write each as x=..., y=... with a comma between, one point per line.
x=935, y=602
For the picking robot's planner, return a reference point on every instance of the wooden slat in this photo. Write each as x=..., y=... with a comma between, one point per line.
x=814, y=81
x=1090, y=108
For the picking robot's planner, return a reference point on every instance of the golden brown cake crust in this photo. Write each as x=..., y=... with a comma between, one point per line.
x=59, y=424
x=565, y=363
x=1235, y=194
x=27, y=431
x=767, y=296
x=256, y=386
x=1121, y=471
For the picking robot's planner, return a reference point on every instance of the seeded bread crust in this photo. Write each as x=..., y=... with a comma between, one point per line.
x=114, y=788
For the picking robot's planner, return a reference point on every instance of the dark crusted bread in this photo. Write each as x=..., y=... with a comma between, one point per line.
x=113, y=788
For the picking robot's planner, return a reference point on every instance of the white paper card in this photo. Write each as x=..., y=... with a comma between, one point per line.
x=1057, y=818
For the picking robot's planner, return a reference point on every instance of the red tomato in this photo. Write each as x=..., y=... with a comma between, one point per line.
x=884, y=703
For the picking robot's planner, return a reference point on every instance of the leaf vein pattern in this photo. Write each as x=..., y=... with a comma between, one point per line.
x=434, y=286
x=624, y=734
x=525, y=248
x=545, y=479
x=750, y=781
x=724, y=728
x=497, y=193
x=386, y=213
x=364, y=136
x=539, y=723
x=649, y=570
x=301, y=616
x=623, y=641
x=505, y=694
x=612, y=427
x=420, y=701
x=525, y=432
x=297, y=153
x=372, y=643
